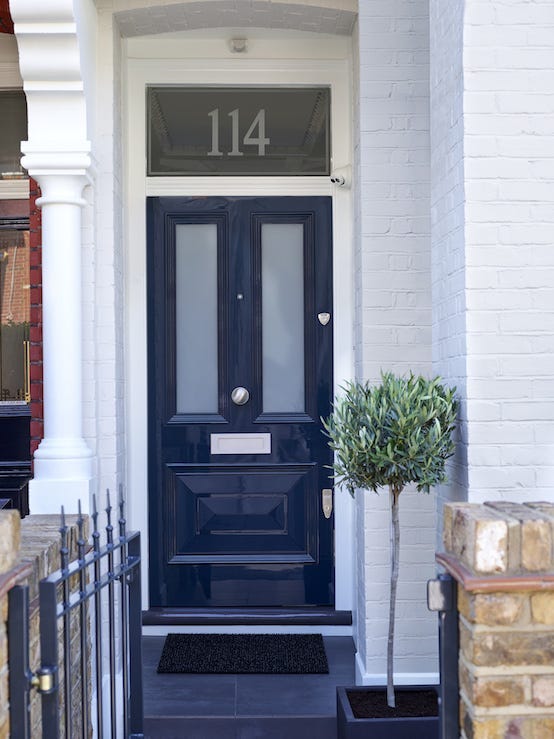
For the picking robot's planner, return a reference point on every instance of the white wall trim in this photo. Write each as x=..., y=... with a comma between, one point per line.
x=10, y=75
x=288, y=70
x=243, y=186
x=14, y=189
x=400, y=678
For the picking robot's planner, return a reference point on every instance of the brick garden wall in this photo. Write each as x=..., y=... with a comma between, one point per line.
x=29, y=551
x=9, y=547
x=502, y=555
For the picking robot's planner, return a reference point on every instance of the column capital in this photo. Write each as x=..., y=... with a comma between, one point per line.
x=62, y=173
x=55, y=161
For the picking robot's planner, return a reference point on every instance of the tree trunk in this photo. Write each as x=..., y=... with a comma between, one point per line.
x=394, y=493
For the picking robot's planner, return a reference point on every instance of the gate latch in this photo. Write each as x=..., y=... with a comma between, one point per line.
x=44, y=680
x=440, y=594
x=327, y=502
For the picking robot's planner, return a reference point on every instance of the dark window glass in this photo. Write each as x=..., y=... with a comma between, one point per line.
x=14, y=254
x=238, y=131
x=15, y=314
x=13, y=130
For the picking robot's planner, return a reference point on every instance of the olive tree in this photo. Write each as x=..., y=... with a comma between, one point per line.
x=390, y=435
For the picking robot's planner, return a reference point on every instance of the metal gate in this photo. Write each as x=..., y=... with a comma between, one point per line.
x=442, y=597
x=90, y=675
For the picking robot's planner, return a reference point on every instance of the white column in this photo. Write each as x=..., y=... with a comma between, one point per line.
x=56, y=54
x=63, y=469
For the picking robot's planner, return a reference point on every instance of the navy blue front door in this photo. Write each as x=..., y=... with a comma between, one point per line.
x=240, y=373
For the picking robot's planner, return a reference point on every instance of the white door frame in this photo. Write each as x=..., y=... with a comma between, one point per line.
x=159, y=61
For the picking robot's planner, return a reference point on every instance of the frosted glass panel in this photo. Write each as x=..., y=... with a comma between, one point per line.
x=196, y=317
x=283, y=317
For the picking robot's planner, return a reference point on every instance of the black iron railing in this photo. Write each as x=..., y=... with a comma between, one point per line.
x=442, y=597
x=90, y=671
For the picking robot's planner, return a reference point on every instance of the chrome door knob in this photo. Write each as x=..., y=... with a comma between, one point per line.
x=240, y=395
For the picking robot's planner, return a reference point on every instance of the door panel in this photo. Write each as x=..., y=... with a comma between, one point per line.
x=235, y=286
x=235, y=513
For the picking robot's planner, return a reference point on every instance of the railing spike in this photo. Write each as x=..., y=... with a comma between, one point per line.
x=109, y=527
x=80, y=532
x=95, y=532
x=64, y=551
x=122, y=520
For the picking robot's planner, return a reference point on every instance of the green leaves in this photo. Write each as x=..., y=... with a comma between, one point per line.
x=395, y=433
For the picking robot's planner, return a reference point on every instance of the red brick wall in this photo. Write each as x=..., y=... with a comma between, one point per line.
x=35, y=281
x=35, y=258
x=6, y=23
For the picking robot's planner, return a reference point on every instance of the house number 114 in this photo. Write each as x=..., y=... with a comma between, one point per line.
x=250, y=138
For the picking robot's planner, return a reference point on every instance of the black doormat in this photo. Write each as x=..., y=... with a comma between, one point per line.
x=244, y=653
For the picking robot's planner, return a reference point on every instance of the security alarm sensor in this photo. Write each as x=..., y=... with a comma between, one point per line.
x=341, y=177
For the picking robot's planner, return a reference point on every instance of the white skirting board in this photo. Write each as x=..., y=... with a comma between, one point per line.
x=400, y=678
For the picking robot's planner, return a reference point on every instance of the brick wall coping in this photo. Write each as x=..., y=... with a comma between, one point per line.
x=13, y=577
x=500, y=545
x=36, y=544
x=493, y=583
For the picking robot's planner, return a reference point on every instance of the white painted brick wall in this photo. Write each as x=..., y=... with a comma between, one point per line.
x=107, y=415
x=394, y=261
x=509, y=233
x=447, y=225
x=393, y=304
x=359, y=618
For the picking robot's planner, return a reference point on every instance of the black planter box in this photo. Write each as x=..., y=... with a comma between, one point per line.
x=350, y=727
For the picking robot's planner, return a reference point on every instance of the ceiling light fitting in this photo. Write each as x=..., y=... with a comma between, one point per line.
x=238, y=45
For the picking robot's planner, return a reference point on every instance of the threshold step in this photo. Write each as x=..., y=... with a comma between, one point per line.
x=246, y=617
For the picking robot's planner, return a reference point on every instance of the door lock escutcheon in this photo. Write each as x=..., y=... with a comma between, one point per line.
x=240, y=396
x=327, y=502
x=324, y=318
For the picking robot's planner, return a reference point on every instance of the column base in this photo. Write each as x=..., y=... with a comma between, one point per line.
x=48, y=496
x=63, y=475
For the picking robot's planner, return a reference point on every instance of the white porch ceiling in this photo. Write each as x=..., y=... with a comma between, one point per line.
x=236, y=14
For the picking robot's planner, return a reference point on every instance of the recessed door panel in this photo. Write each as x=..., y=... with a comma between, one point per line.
x=243, y=512
x=240, y=373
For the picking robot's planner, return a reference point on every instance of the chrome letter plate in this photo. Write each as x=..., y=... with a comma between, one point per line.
x=240, y=443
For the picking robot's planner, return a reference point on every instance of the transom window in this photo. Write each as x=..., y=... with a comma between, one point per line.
x=238, y=131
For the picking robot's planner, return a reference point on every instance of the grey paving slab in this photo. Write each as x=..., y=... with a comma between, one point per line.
x=190, y=728
x=306, y=727
x=244, y=706
x=286, y=695
x=184, y=695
